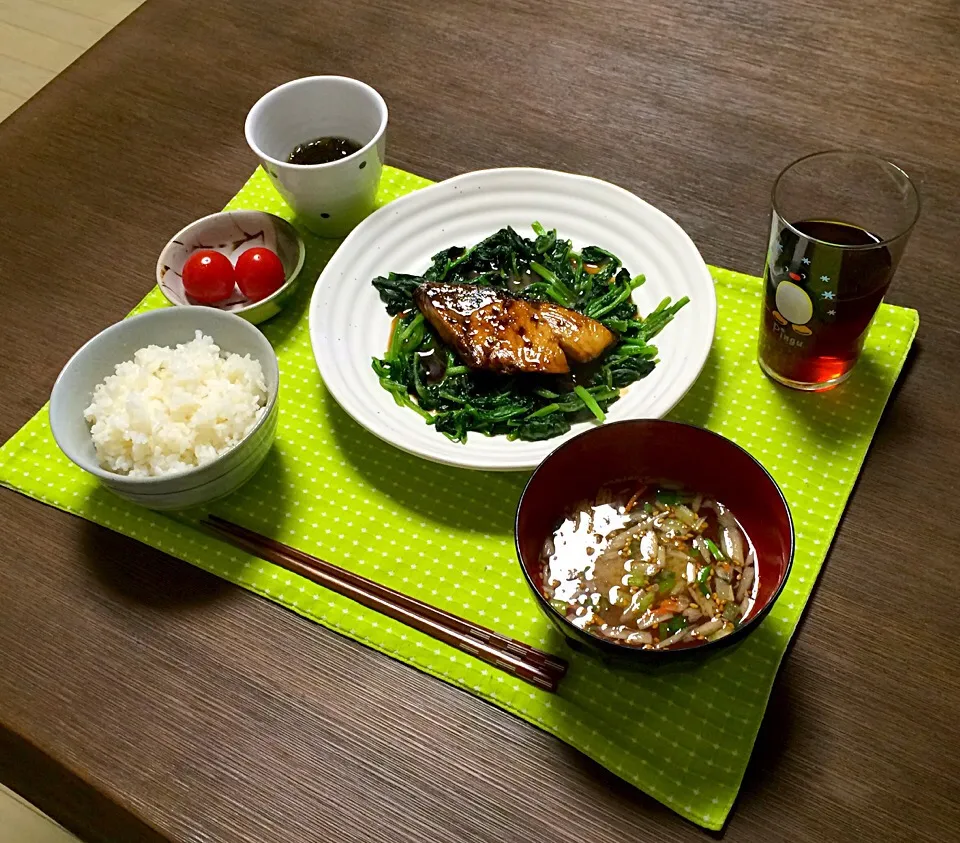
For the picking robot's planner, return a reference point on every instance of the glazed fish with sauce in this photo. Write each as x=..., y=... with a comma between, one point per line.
x=651, y=569
x=491, y=330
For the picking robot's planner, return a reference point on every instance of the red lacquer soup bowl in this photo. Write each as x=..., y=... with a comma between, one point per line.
x=680, y=454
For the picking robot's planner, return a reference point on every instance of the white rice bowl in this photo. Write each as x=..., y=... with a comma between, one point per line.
x=173, y=409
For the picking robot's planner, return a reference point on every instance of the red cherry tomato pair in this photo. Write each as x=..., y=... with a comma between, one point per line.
x=209, y=277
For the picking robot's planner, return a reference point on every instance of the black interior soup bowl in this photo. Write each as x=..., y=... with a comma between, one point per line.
x=668, y=453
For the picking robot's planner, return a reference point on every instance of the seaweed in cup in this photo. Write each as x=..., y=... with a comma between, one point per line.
x=651, y=567
x=323, y=150
x=430, y=377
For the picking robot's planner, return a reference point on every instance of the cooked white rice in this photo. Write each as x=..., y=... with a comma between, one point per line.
x=171, y=409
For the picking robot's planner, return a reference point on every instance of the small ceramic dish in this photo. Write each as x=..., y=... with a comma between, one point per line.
x=232, y=233
x=98, y=358
x=692, y=458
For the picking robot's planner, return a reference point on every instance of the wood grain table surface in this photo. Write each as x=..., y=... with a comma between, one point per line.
x=142, y=699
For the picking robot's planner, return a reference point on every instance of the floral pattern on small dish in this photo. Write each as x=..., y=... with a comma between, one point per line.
x=232, y=233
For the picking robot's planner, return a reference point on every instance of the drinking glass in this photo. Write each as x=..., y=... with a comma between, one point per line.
x=840, y=223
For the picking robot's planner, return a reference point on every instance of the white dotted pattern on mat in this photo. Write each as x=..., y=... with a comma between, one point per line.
x=445, y=536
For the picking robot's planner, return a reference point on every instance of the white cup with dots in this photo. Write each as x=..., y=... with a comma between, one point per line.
x=329, y=198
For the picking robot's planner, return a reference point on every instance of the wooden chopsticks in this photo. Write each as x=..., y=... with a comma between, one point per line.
x=514, y=657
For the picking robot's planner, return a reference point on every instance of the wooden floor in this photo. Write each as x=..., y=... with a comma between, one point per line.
x=39, y=38
x=20, y=822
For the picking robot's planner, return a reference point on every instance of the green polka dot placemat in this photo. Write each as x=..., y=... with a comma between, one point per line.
x=444, y=535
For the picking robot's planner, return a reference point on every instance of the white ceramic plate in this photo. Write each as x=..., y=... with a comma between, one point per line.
x=349, y=325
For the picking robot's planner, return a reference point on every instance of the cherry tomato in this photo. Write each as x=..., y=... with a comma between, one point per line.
x=259, y=273
x=208, y=276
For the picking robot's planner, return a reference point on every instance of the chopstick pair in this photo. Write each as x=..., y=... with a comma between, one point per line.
x=514, y=657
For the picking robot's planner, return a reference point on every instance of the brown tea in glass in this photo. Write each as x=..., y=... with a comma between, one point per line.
x=840, y=223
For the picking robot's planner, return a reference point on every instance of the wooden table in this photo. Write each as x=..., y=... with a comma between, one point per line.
x=141, y=699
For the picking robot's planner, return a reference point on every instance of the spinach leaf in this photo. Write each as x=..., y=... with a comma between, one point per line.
x=396, y=291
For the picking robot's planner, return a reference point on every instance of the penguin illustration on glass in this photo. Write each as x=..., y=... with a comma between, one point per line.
x=793, y=304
